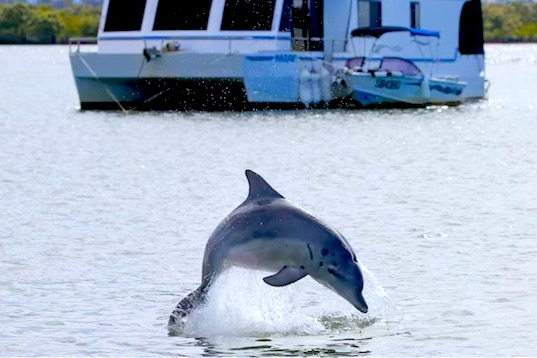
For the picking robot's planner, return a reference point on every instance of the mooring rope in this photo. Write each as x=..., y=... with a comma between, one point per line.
x=108, y=91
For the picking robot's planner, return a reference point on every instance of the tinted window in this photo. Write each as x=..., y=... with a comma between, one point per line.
x=124, y=15
x=248, y=15
x=471, y=29
x=415, y=15
x=182, y=15
x=376, y=13
x=317, y=28
x=286, y=22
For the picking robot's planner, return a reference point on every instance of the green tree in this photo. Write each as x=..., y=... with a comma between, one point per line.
x=14, y=20
x=528, y=32
x=44, y=28
x=510, y=22
x=79, y=21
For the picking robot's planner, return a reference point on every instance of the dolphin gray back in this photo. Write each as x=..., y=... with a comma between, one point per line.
x=236, y=224
x=265, y=216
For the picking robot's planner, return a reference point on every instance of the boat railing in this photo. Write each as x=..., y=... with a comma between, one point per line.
x=172, y=43
x=76, y=42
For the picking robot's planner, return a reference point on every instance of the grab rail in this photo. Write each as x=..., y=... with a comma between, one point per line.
x=81, y=41
x=297, y=43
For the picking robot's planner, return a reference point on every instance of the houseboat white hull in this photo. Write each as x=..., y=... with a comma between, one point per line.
x=201, y=81
x=148, y=59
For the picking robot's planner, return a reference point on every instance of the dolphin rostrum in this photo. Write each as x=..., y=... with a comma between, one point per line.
x=267, y=232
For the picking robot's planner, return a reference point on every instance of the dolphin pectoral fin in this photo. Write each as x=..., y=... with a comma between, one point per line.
x=285, y=276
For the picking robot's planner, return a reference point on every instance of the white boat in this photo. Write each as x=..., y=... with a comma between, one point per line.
x=240, y=54
x=398, y=81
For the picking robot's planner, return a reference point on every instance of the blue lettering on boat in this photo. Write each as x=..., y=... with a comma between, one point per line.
x=388, y=84
x=286, y=58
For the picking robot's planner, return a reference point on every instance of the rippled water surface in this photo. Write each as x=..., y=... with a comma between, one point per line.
x=104, y=218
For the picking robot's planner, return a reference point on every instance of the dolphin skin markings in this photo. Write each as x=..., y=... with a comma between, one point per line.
x=267, y=232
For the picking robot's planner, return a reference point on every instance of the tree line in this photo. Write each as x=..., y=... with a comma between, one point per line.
x=44, y=23
x=54, y=21
x=513, y=22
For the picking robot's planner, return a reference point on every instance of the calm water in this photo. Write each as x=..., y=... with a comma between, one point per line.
x=104, y=218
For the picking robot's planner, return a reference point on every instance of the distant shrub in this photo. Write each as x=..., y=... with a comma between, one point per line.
x=510, y=22
x=24, y=23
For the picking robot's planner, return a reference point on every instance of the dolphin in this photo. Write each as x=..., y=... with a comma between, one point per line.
x=267, y=232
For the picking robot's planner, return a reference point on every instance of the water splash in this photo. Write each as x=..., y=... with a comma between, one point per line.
x=240, y=304
x=382, y=307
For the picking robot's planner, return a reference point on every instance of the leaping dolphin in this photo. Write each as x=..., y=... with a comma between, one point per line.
x=267, y=232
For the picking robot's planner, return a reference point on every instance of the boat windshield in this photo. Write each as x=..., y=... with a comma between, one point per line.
x=406, y=67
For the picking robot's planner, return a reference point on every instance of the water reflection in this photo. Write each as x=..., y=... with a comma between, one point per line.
x=341, y=347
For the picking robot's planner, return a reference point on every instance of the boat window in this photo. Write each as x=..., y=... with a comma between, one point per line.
x=117, y=19
x=316, y=32
x=415, y=15
x=182, y=15
x=248, y=15
x=375, y=13
x=286, y=22
x=369, y=13
x=471, y=29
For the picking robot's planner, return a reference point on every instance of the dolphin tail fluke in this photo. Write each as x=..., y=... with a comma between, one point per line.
x=188, y=304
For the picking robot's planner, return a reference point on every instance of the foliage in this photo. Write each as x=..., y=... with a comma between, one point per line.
x=510, y=22
x=14, y=20
x=57, y=20
x=79, y=21
x=45, y=23
x=43, y=27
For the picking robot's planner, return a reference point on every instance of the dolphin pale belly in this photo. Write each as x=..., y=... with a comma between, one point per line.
x=267, y=232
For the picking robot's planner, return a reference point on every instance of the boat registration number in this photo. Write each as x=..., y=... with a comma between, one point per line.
x=388, y=84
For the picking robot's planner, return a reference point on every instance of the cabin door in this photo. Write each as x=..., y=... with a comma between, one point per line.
x=307, y=19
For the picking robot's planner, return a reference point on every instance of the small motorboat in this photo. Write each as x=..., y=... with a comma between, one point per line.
x=396, y=80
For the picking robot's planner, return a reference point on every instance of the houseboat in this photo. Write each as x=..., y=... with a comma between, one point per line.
x=242, y=54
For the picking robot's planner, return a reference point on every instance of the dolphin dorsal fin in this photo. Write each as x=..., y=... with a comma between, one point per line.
x=259, y=188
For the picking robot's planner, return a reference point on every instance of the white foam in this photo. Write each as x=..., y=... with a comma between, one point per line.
x=382, y=307
x=240, y=304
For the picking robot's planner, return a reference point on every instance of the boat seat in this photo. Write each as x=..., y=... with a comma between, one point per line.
x=395, y=74
x=355, y=64
x=379, y=73
x=401, y=65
